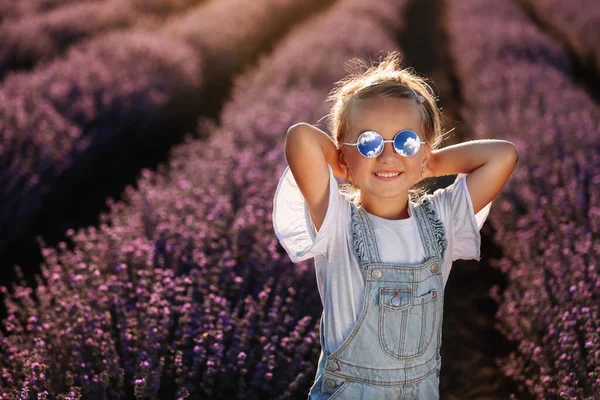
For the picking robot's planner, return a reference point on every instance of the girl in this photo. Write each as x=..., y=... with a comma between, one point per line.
x=383, y=249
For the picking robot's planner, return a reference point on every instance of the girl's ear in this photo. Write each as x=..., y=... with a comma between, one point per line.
x=427, y=162
x=344, y=165
x=427, y=157
x=342, y=160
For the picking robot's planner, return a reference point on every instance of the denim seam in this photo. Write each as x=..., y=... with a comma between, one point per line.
x=423, y=327
x=374, y=383
x=425, y=264
x=356, y=326
x=375, y=369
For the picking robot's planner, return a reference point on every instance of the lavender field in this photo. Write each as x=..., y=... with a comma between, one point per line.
x=140, y=150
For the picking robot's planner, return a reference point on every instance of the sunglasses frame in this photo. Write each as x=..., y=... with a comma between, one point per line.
x=386, y=141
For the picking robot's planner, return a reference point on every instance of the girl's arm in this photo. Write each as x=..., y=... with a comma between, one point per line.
x=308, y=150
x=489, y=164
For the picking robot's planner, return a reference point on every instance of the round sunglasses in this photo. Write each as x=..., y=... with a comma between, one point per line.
x=370, y=143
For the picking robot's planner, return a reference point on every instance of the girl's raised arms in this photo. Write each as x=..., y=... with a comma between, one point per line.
x=308, y=150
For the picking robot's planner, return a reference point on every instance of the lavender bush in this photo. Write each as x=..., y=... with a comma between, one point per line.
x=39, y=38
x=10, y=9
x=516, y=84
x=13, y=10
x=576, y=21
x=58, y=118
x=163, y=7
x=183, y=290
x=74, y=113
x=252, y=27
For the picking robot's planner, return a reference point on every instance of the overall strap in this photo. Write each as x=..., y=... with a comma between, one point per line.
x=431, y=229
x=363, y=237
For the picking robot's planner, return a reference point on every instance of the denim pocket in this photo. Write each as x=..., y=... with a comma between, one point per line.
x=406, y=322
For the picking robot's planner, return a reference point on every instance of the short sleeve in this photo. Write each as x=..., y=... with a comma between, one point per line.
x=292, y=223
x=464, y=224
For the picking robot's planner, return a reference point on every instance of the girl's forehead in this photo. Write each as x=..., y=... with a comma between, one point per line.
x=386, y=115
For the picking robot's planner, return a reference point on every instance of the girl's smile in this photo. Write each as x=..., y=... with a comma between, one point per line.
x=387, y=176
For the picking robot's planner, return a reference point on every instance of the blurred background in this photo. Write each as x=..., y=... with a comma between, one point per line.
x=141, y=142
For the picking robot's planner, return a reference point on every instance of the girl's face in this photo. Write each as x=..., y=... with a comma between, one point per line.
x=388, y=116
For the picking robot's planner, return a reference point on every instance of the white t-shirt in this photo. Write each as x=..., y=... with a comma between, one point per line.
x=339, y=278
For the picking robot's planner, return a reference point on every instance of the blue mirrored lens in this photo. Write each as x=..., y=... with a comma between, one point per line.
x=407, y=143
x=370, y=144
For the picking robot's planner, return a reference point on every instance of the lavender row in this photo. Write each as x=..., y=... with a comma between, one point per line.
x=14, y=10
x=74, y=113
x=55, y=120
x=11, y=10
x=183, y=290
x=517, y=85
x=576, y=21
x=38, y=38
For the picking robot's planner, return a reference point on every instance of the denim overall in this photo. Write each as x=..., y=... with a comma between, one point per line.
x=393, y=351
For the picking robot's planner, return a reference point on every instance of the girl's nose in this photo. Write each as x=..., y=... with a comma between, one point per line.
x=388, y=152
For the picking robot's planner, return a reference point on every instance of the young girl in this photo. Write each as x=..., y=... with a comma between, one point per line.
x=383, y=250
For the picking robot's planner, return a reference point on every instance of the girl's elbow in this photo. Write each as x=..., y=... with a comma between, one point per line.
x=514, y=152
x=297, y=126
x=510, y=152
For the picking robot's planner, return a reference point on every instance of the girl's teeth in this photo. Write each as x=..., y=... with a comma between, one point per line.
x=388, y=175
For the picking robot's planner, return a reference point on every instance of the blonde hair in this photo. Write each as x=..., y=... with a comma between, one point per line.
x=384, y=79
